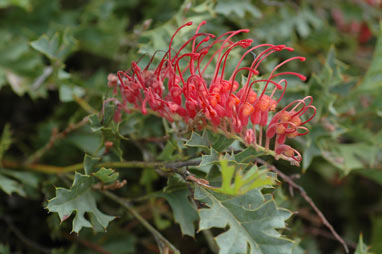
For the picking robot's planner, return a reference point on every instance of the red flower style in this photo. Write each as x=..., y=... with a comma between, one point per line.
x=179, y=87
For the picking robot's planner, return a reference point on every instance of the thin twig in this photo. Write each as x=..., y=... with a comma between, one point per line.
x=23, y=238
x=53, y=138
x=288, y=180
x=87, y=244
x=162, y=242
x=326, y=234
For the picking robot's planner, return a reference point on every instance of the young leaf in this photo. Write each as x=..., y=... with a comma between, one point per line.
x=251, y=221
x=235, y=182
x=362, y=247
x=79, y=199
x=106, y=175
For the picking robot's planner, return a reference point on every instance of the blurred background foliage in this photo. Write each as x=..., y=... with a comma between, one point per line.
x=55, y=57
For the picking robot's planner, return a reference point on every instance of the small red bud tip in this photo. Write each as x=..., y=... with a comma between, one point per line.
x=302, y=59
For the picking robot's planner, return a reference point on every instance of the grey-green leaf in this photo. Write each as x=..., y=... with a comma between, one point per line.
x=56, y=47
x=176, y=193
x=198, y=141
x=79, y=199
x=251, y=221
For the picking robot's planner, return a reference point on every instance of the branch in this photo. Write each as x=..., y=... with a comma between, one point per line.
x=51, y=169
x=288, y=180
x=162, y=242
x=53, y=138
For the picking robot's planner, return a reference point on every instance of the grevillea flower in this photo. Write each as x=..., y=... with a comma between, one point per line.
x=180, y=87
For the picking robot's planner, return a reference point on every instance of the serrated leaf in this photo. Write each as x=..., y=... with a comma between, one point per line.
x=106, y=175
x=56, y=47
x=177, y=195
x=79, y=199
x=210, y=159
x=251, y=221
x=238, y=181
x=198, y=141
x=5, y=141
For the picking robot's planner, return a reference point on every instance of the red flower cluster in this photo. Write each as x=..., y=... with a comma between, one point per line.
x=179, y=86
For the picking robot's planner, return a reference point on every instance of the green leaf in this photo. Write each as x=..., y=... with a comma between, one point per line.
x=95, y=123
x=111, y=135
x=238, y=181
x=376, y=243
x=26, y=4
x=56, y=47
x=10, y=186
x=247, y=155
x=229, y=7
x=362, y=247
x=90, y=164
x=373, y=78
x=5, y=141
x=26, y=178
x=251, y=221
x=349, y=157
x=218, y=141
x=177, y=195
x=208, y=160
x=198, y=141
x=79, y=199
x=67, y=93
x=106, y=175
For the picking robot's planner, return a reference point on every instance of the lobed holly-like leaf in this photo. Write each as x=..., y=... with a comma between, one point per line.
x=198, y=141
x=56, y=47
x=177, y=195
x=250, y=222
x=79, y=199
